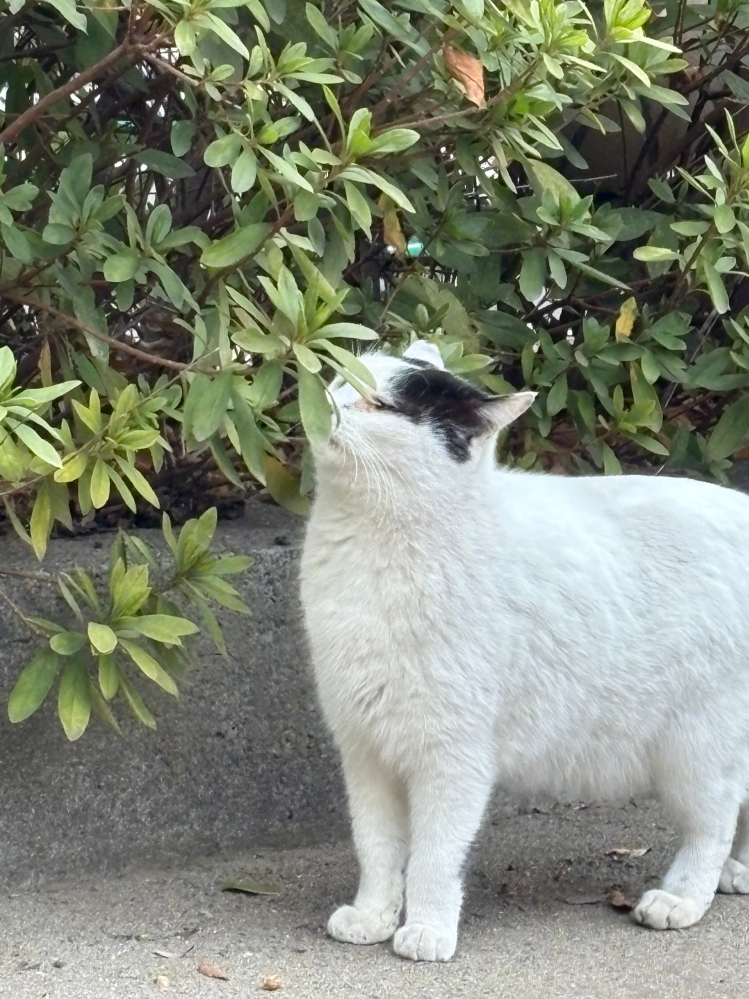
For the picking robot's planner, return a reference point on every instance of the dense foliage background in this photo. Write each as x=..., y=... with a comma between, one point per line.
x=206, y=207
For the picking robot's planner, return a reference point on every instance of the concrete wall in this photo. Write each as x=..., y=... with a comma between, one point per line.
x=241, y=759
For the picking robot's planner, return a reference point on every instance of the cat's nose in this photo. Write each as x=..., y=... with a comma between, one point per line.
x=368, y=405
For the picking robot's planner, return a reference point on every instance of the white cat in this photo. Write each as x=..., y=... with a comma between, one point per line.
x=470, y=626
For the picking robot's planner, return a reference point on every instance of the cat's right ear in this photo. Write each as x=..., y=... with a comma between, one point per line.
x=503, y=411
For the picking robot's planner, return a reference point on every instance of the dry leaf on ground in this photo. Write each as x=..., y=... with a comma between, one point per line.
x=211, y=971
x=619, y=852
x=466, y=69
x=171, y=954
x=251, y=886
x=584, y=899
x=618, y=900
x=272, y=983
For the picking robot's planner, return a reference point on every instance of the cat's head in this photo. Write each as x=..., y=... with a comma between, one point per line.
x=417, y=412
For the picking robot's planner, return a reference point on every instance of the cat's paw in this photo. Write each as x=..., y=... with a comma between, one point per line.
x=662, y=911
x=356, y=926
x=734, y=878
x=419, y=942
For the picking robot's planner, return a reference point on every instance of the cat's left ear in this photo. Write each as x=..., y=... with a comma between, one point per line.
x=508, y=408
x=422, y=350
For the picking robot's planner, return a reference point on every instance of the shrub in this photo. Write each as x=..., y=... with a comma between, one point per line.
x=206, y=207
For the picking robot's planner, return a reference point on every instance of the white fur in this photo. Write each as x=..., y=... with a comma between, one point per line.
x=470, y=626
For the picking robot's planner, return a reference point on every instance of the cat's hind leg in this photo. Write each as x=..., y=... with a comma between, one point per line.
x=734, y=878
x=379, y=817
x=706, y=818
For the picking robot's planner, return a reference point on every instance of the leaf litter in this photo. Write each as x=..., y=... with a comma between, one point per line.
x=211, y=971
x=251, y=886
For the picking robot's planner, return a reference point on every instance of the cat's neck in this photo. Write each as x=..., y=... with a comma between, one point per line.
x=414, y=499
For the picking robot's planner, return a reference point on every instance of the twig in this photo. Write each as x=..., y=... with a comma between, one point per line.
x=42, y=577
x=11, y=133
x=123, y=348
x=394, y=92
x=19, y=613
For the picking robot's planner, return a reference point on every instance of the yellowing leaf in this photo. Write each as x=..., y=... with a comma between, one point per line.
x=102, y=637
x=284, y=488
x=152, y=669
x=626, y=318
x=391, y=226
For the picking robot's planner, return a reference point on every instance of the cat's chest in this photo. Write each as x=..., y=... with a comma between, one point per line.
x=398, y=589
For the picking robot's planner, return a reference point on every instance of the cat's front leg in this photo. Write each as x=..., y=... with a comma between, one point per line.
x=446, y=807
x=379, y=817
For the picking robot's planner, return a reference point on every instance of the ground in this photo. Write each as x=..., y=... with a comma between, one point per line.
x=537, y=924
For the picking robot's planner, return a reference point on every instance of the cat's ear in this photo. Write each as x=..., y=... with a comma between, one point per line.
x=421, y=350
x=507, y=408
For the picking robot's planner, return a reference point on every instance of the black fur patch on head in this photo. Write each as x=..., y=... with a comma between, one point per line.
x=453, y=407
x=417, y=362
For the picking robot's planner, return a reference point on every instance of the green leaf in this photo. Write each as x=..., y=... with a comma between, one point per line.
x=362, y=176
x=121, y=266
x=394, y=141
x=545, y=178
x=109, y=676
x=724, y=219
x=349, y=331
x=250, y=439
x=730, y=431
x=287, y=170
x=165, y=628
x=314, y=406
x=557, y=397
x=135, y=701
x=284, y=488
x=237, y=246
x=37, y=445
x=716, y=287
x=206, y=405
x=138, y=481
x=611, y=464
x=224, y=32
x=150, y=667
x=166, y=164
x=17, y=243
x=40, y=523
x=74, y=700
x=532, y=274
x=33, y=685
x=654, y=254
x=100, y=485
x=307, y=358
x=67, y=643
x=102, y=638
x=68, y=10
x=223, y=151
x=244, y=172
x=181, y=136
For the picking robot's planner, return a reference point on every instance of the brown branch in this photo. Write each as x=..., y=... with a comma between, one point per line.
x=123, y=348
x=30, y=115
x=38, y=53
x=42, y=577
x=394, y=92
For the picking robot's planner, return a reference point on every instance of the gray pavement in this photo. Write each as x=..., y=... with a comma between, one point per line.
x=525, y=933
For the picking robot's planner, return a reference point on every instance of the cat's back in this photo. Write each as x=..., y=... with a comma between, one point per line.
x=700, y=516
